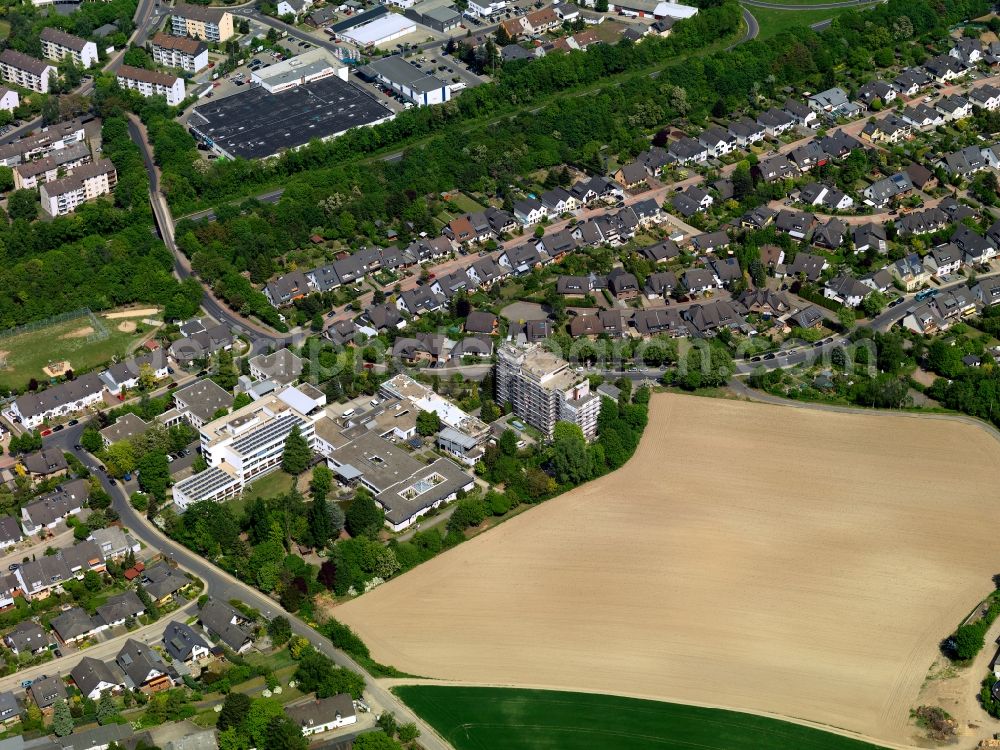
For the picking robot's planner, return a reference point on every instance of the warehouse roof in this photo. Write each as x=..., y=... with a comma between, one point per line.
x=398, y=70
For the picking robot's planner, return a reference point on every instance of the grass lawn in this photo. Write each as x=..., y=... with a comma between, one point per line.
x=464, y=203
x=773, y=21
x=4, y=29
x=269, y=485
x=512, y=719
x=22, y=357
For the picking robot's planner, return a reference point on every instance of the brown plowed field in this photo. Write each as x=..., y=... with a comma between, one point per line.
x=759, y=557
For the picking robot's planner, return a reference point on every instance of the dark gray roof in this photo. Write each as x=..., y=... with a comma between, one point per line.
x=47, y=691
x=96, y=738
x=44, y=462
x=59, y=503
x=140, y=663
x=121, y=607
x=72, y=623
x=179, y=639
x=90, y=673
x=480, y=321
x=161, y=580
x=226, y=622
x=27, y=636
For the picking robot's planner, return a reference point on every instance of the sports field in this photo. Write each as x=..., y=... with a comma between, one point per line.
x=513, y=719
x=23, y=355
x=794, y=562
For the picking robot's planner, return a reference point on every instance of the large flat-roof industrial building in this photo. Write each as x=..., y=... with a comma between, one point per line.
x=305, y=68
x=256, y=124
x=419, y=87
x=380, y=31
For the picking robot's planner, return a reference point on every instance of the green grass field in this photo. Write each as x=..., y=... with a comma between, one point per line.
x=774, y=21
x=25, y=354
x=514, y=719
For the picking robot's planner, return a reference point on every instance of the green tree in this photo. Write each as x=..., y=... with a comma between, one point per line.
x=22, y=204
x=262, y=712
x=235, y=708
x=91, y=440
x=107, y=711
x=380, y=740
x=92, y=581
x=320, y=529
x=119, y=459
x=364, y=517
x=284, y=734
x=428, y=423
x=280, y=630
x=241, y=400
x=408, y=732
x=62, y=719
x=873, y=304
x=489, y=411
x=154, y=474
x=847, y=317
x=568, y=454
x=6, y=179
x=296, y=456
x=320, y=482
x=226, y=373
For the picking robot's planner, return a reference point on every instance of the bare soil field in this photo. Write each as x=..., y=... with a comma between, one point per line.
x=135, y=312
x=764, y=558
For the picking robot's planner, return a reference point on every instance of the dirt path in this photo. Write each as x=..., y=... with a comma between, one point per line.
x=139, y=312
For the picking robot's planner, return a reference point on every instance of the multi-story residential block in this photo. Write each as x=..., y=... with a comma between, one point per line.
x=45, y=142
x=179, y=52
x=58, y=45
x=26, y=71
x=64, y=196
x=152, y=83
x=201, y=22
x=249, y=443
x=32, y=409
x=29, y=175
x=543, y=389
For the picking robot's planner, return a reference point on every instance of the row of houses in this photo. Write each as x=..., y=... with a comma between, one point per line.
x=697, y=320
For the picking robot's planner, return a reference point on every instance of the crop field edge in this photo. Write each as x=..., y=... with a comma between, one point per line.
x=461, y=715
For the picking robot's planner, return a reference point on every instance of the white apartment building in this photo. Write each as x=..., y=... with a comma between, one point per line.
x=64, y=196
x=179, y=52
x=30, y=174
x=248, y=443
x=45, y=142
x=543, y=389
x=152, y=83
x=57, y=45
x=26, y=71
x=68, y=397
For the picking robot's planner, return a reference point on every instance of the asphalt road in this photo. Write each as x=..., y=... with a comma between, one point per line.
x=753, y=29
